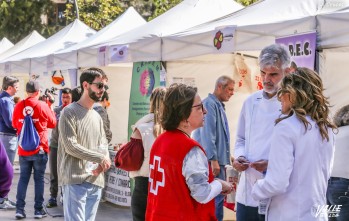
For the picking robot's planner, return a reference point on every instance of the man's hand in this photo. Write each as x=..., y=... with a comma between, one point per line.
x=105, y=164
x=97, y=171
x=215, y=167
x=260, y=165
x=241, y=164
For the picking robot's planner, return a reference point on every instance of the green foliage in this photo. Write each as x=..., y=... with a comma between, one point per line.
x=18, y=18
x=246, y=2
x=96, y=14
x=161, y=6
x=149, y=9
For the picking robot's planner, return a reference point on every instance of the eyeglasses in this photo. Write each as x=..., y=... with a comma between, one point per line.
x=100, y=85
x=199, y=105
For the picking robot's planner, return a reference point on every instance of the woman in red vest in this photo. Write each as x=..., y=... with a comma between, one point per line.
x=181, y=184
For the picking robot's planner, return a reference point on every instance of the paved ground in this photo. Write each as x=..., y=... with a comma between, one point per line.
x=106, y=210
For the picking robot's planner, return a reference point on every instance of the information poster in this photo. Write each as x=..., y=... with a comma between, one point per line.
x=302, y=48
x=117, y=185
x=145, y=77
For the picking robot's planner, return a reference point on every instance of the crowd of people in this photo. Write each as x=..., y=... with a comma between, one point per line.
x=284, y=149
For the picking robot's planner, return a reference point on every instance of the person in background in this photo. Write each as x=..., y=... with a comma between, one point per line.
x=301, y=152
x=10, y=86
x=145, y=131
x=66, y=99
x=16, y=99
x=101, y=108
x=6, y=171
x=338, y=185
x=256, y=123
x=181, y=183
x=43, y=118
x=82, y=141
x=76, y=93
x=214, y=136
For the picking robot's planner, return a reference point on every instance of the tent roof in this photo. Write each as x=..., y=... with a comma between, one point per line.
x=68, y=36
x=256, y=27
x=333, y=29
x=5, y=44
x=30, y=40
x=130, y=19
x=145, y=42
x=184, y=15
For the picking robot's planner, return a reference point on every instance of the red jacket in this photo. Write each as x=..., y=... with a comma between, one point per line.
x=169, y=197
x=43, y=118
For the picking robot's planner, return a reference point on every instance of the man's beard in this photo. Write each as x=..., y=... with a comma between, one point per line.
x=93, y=95
x=270, y=91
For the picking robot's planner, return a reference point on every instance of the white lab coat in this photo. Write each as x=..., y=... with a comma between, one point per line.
x=298, y=170
x=256, y=123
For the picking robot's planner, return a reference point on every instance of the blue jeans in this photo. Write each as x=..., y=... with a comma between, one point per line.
x=81, y=201
x=37, y=163
x=338, y=194
x=248, y=213
x=10, y=143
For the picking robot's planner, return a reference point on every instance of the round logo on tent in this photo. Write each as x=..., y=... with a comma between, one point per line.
x=218, y=39
x=147, y=82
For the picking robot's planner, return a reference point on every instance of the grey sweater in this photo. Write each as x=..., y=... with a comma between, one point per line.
x=81, y=132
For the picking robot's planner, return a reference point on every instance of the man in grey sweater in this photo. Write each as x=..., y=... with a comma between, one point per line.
x=82, y=143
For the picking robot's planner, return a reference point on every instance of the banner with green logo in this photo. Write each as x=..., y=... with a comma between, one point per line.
x=145, y=77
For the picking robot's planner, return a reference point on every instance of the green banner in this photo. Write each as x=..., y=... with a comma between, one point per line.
x=145, y=77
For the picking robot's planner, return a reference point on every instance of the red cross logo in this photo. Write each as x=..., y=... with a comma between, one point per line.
x=156, y=173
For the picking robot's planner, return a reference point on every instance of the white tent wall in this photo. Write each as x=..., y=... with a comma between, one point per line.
x=333, y=29
x=205, y=73
x=334, y=68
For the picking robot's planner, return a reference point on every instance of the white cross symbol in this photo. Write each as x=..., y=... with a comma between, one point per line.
x=154, y=175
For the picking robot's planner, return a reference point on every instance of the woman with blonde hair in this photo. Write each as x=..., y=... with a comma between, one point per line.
x=301, y=153
x=145, y=131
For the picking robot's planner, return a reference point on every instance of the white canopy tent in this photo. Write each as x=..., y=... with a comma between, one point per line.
x=5, y=44
x=191, y=54
x=68, y=58
x=187, y=14
x=30, y=40
x=144, y=43
x=333, y=29
x=33, y=60
x=256, y=27
x=333, y=39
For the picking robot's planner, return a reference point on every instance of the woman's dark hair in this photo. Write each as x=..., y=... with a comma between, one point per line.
x=178, y=104
x=76, y=94
x=105, y=96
